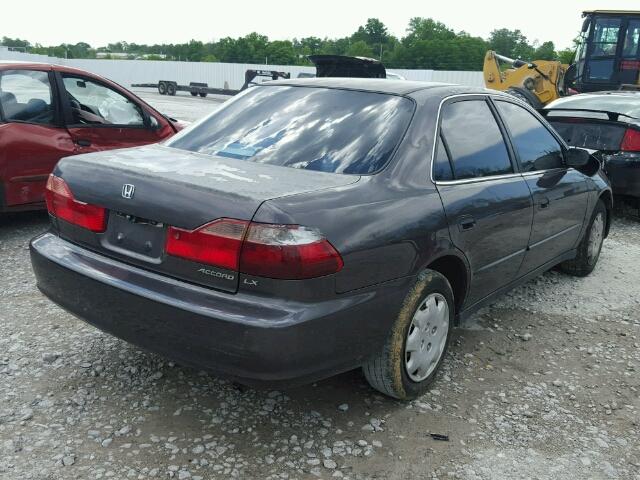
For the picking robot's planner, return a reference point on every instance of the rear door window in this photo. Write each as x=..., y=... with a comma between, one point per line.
x=26, y=96
x=474, y=140
x=536, y=147
x=441, y=164
x=325, y=129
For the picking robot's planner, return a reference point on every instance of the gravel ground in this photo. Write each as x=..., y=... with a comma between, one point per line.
x=542, y=385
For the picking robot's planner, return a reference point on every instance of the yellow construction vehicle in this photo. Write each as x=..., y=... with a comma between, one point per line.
x=607, y=58
x=537, y=83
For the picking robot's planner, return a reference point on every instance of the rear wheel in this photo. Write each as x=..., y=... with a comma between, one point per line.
x=590, y=245
x=162, y=88
x=171, y=89
x=194, y=94
x=526, y=96
x=203, y=94
x=417, y=342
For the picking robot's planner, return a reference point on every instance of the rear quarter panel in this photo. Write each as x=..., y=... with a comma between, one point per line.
x=381, y=233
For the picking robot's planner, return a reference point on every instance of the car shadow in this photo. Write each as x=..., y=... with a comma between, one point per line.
x=22, y=220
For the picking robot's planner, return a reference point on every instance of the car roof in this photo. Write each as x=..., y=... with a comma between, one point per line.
x=23, y=64
x=616, y=101
x=8, y=64
x=612, y=12
x=380, y=85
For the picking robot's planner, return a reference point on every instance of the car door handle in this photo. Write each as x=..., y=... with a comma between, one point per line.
x=544, y=202
x=83, y=143
x=466, y=223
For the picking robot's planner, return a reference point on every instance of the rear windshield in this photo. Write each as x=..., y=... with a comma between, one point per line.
x=322, y=129
x=625, y=103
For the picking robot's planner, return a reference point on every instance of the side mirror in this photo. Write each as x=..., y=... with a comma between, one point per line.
x=582, y=161
x=152, y=123
x=577, y=158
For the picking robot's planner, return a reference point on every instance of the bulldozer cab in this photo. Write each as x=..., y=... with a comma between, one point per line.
x=608, y=55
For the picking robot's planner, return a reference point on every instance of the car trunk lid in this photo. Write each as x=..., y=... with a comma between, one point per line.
x=182, y=188
x=590, y=129
x=148, y=189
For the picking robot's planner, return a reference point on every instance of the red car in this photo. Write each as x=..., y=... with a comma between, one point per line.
x=49, y=111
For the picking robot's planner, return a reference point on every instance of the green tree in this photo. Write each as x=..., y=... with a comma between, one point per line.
x=360, y=49
x=566, y=55
x=546, y=51
x=15, y=43
x=280, y=52
x=427, y=29
x=374, y=33
x=511, y=43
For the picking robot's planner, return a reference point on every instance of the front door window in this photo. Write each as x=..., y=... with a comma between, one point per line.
x=92, y=103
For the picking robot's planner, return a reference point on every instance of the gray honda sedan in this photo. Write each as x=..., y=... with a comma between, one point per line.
x=313, y=226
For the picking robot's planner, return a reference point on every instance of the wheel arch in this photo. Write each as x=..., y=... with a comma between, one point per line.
x=456, y=270
x=607, y=198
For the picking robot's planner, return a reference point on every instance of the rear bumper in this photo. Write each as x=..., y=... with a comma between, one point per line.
x=623, y=170
x=255, y=340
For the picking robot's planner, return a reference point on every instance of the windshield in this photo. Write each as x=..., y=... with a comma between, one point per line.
x=322, y=129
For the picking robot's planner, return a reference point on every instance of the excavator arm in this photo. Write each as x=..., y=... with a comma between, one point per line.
x=537, y=83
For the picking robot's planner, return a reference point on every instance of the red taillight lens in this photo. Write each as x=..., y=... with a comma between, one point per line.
x=631, y=141
x=62, y=204
x=287, y=252
x=274, y=251
x=630, y=65
x=217, y=243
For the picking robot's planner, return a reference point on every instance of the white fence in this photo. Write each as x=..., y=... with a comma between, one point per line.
x=217, y=75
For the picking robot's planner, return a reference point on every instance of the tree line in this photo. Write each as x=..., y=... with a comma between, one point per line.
x=428, y=44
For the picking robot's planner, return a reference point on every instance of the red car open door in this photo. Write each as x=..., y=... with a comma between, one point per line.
x=100, y=116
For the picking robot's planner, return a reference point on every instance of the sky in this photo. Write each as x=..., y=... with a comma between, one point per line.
x=51, y=23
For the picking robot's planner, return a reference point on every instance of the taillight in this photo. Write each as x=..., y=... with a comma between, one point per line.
x=630, y=65
x=287, y=252
x=62, y=204
x=631, y=141
x=274, y=251
x=216, y=243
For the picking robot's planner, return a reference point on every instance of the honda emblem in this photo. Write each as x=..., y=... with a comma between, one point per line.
x=128, y=190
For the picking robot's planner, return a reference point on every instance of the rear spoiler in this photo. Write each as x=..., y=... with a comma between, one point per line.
x=345, y=66
x=613, y=116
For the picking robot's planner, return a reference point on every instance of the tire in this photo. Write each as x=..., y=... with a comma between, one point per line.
x=526, y=96
x=162, y=88
x=194, y=94
x=203, y=94
x=388, y=370
x=171, y=89
x=590, y=245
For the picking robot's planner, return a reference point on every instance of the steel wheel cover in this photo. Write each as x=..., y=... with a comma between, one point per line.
x=426, y=337
x=596, y=236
